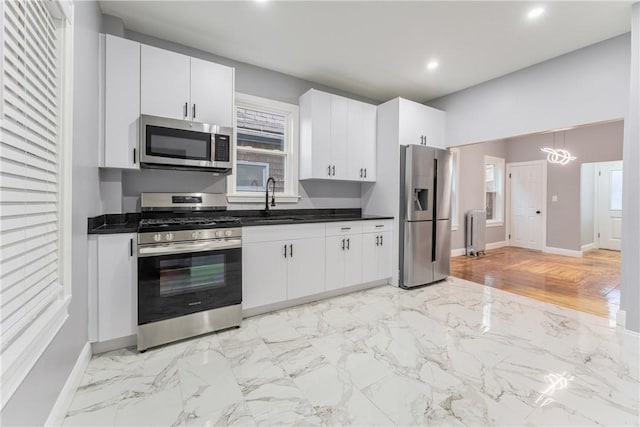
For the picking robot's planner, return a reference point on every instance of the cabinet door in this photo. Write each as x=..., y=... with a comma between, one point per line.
x=306, y=267
x=385, y=255
x=164, y=83
x=211, y=93
x=413, y=123
x=264, y=274
x=435, y=123
x=368, y=154
x=353, y=260
x=355, y=154
x=370, y=249
x=339, y=114
x=117, y=286
x=121, y=103
x=335, y=262
x=321, y=135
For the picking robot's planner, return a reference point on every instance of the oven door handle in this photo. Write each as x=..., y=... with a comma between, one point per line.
x=186, y=247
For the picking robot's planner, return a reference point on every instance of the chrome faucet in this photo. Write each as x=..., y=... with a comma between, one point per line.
x=266, y=195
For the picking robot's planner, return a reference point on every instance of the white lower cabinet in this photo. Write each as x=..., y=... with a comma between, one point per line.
x=376, y=256
x=344, y=261
x=284, y=269
x=264, y=274
x=281, y=263
x=305, y=270
x=117, y=286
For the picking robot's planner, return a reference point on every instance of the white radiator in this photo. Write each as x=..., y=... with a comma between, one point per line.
x=475, y=227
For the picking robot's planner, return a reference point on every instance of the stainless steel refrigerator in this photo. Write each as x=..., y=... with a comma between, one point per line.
x=425, y=215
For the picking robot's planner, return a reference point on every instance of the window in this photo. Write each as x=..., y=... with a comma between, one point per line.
x=455, y=155
x=494, y=189
x=266, y=141
x=34, y=181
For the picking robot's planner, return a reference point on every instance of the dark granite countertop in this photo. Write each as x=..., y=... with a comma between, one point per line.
x=114, y=223
x=128, y=223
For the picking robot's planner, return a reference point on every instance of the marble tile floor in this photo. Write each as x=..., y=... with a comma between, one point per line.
x=454, y=353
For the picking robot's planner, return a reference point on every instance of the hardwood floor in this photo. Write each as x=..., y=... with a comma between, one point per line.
x=590, y=284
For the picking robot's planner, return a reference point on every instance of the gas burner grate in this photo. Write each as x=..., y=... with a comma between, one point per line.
x=187, y=221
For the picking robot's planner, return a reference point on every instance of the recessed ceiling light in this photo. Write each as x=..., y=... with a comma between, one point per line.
x=535, y=13
x=432, y=65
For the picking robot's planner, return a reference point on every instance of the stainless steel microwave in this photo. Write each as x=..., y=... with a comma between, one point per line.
x=182, y=144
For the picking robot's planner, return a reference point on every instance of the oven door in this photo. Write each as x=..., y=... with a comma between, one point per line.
x=184, y=282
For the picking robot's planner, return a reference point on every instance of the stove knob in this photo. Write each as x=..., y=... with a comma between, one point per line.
x=157, y=237
x=195, y=234
x=227, y=233
x=219, y=233
x=169, y=236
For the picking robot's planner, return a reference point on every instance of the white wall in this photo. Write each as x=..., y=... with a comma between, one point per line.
x=585, y=86
x=630, y=289
x=33, y=400
x=587, y=202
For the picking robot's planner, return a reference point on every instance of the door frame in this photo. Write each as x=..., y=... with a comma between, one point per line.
x=507, y=228
x=596, y=202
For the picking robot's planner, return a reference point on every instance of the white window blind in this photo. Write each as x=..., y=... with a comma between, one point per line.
x=31, y=291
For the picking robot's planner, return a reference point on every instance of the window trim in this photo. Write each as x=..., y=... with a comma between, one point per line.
x=499, y=163
x=29, y=347
x=455, y=177
x=291, y=193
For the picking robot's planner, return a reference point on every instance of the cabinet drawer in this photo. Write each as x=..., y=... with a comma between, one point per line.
x=373, y=226
x=270, y=233
x=344, y=227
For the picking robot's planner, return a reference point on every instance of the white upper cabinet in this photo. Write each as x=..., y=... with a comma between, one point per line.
x=212, y=89
x=121, y=95
x=165, y=83
x=180, y=87
x=339, y=126
x=421, y=125
x=315, y=135
x=337, y=138
x=362, y=142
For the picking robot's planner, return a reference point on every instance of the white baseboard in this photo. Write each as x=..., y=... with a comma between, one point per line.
x=496, y=245
x=63, y=402
x=588, y=247
x=561, y=251
x=457, y=252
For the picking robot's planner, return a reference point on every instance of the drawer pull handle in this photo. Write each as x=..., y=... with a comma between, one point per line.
x=379, y=225
x=345, y=228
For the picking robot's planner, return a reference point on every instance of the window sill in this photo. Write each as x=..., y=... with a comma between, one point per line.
x=495, y=224
x=259, y=198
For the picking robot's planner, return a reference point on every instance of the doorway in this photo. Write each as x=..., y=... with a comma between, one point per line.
x=526, y=204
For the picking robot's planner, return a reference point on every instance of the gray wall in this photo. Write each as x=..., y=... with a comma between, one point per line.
x=588, y=85
x=630, y=289
x=587, y=202
x=251, y=80
x=471, y=187
x=595, y=143
x=33, y=400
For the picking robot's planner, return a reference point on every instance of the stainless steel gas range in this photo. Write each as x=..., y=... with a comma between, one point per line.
x=189, y=267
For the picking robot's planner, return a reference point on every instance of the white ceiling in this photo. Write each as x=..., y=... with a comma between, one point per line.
x=380, y=49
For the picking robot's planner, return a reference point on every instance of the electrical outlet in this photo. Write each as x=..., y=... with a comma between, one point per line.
x=554, y=198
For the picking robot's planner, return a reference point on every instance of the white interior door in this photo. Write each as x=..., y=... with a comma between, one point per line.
x=610, y=205
x=526, y=205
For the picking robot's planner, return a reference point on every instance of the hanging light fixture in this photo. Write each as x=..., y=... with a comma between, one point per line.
x=558, y=155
